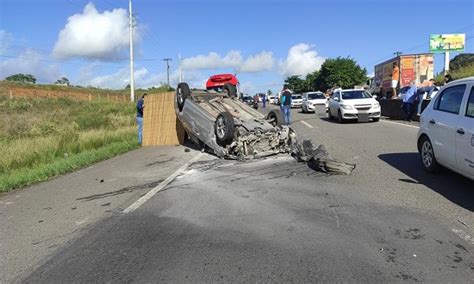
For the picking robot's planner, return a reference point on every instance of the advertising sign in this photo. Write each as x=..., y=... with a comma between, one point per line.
x=447, y=42
x=407, y=70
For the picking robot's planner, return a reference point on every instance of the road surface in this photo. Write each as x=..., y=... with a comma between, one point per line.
x=277, y=220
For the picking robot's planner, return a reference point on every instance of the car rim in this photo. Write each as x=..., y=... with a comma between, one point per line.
x=427, y=154
x=221, y=129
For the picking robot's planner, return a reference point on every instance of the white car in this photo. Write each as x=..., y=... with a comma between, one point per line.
x=446, y=135
x=353, y=105
x=296, y=100
x=271, y=99
x=313, y=99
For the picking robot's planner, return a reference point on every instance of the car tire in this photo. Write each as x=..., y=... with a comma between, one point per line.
x=231, y=90
x=224, y=128
x=375, y=119
x=277, y=116
x=182, y=94
x=427, y=155
x=339, y=117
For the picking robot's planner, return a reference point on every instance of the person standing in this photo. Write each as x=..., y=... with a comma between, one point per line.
x=425, y=87
x=395, y=79
x=286, y=104
x=140, y=106
x=264, y=100
x=409, y=100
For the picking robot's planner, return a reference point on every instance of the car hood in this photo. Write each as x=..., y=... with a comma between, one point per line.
x=318, y=101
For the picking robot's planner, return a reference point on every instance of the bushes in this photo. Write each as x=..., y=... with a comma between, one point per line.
x=49, y=136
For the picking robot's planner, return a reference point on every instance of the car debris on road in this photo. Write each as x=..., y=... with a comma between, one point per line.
x=218, y=121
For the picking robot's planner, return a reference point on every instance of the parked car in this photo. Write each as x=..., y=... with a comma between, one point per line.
x=296, y=100
x=248, y=100
x=446, y=134
x=313, y=99
x=230, y=128
x=353, y=105
x=271, y=99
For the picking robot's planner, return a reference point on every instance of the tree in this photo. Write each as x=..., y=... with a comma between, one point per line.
x=461, y=60
x=340, y=72
x=310, y=81
x=63, y=81
x=296, y=84
x=22, y=78
x=269, y=92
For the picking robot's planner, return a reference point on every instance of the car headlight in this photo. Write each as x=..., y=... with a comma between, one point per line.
x=347, y=107
x=376, y=105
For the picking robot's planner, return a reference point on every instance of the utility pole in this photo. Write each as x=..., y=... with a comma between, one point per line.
x=167, y=70
x=180, y=70
x=397, y=53
x=131, y=26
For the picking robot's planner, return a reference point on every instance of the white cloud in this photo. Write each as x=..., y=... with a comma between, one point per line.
x=30, y=62
x=143, y=78
x=247, y=87
x=5, y=40
x=233, y=59
x=302, y=59
x=94, y=35
x=259, y=62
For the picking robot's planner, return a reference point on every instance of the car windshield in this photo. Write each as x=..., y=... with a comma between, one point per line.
x=316, y=96
x=296, y=97
x=352, y=95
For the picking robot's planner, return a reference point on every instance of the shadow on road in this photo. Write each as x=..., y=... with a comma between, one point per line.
x=451, y=185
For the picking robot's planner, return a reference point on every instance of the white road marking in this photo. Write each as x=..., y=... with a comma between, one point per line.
x=463, y=235
x=161, y=186
x=398, y=123
x=307, y=124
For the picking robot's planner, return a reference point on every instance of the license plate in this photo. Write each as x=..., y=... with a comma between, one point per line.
x=363, y=117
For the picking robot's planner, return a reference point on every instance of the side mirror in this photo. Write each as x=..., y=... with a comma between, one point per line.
x=374, y=96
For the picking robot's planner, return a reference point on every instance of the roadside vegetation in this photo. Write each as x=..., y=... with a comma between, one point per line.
x=41, y=138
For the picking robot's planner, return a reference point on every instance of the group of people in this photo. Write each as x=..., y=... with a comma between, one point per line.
x=415, y=95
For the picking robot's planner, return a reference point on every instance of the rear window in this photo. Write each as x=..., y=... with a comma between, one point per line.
x=296, y=97
x=316, y=96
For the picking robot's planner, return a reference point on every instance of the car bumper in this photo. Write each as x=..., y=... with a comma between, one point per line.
x=296, y=105
x=354, y=113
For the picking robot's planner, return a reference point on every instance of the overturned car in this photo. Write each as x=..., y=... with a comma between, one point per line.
x=230, y=128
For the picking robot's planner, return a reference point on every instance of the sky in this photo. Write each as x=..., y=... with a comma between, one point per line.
x=263, y=42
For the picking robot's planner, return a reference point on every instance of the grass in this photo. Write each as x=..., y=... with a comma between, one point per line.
x=41, y=138
x=463, y=72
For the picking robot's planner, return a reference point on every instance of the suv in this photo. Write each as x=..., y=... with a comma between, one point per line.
x=353, y=105
x=446, y=135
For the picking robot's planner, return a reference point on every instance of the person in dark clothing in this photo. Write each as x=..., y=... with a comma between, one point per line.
x=286, y=104
x=408, y=101
x=140, y=106
x=447, y=78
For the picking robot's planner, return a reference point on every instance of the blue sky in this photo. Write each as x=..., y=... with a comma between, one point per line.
x=261, y=41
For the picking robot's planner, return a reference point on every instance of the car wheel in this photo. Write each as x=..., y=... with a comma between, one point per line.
x=182, y=93
x=277, y=116
x=339, y=117
x=375, y=119
x=230, y=89
x=428, y=158
x=224, y=128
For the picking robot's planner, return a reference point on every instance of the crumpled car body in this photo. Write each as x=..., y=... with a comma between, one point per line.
x=207, y=114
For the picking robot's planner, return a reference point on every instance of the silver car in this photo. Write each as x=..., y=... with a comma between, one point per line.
x=229, y=127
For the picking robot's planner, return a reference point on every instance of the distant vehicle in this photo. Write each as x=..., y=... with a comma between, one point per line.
x=271, y=99
x=217, y=82
x=313, y=99
x=446, y=134
x=413, y=67
x=353, y=105
x=248, y=100
x=296, y=100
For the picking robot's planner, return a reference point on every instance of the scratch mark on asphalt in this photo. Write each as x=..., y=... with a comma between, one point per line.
x=121, y=191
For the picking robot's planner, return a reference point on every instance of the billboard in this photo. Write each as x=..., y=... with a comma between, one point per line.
x=447, y=42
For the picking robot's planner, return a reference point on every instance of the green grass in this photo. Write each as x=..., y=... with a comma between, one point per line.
x=463, y=72
x=41, y=138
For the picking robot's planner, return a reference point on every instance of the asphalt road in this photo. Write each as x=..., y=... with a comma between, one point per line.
x=277, y=220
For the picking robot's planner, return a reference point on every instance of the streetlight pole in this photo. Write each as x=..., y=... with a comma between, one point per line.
x=132, y=79
x=167, y=70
